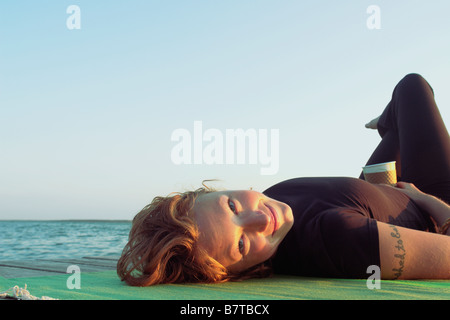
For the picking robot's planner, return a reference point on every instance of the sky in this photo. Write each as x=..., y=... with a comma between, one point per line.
x=105, y=106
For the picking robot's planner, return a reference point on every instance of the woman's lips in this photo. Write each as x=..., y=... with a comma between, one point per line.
x=274, y=218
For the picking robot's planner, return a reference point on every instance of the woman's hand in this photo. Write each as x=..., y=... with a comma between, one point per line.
x=411, y=190
x=436, y=208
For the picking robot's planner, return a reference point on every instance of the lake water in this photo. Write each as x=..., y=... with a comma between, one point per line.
x=28, y=240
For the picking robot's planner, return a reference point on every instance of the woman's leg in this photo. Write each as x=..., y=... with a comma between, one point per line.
x=414, y=134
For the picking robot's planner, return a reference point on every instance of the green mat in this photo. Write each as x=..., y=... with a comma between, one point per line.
x=106, y=285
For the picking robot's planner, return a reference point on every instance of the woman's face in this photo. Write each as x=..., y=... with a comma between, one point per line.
x=241, y=228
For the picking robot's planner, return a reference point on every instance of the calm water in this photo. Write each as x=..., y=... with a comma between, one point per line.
x=27, y=240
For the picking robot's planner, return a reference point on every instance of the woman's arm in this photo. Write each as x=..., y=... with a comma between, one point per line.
x=412, y=254
x=438, y=209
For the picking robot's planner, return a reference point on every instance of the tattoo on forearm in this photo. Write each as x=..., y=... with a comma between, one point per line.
x=401, y=253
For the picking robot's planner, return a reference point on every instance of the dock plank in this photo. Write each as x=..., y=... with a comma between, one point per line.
x=14, y=272
x=36, y=268
x=87, y=262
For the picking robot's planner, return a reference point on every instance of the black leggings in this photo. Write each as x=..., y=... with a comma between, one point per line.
x=414, y=134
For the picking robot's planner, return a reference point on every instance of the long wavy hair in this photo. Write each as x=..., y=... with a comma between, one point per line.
x=163, y=246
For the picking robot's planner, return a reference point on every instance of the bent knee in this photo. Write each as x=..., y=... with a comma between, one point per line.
x=413, y=76
x=416, y=81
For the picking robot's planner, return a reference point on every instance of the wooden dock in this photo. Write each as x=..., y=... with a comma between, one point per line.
x=49, y=267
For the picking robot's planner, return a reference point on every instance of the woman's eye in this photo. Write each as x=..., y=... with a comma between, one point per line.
x=232, y=206
x=241, y=245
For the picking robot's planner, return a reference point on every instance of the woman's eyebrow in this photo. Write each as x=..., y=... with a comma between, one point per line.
x=222, y=203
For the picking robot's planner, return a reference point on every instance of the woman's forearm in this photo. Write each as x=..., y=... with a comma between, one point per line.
x=438, y=209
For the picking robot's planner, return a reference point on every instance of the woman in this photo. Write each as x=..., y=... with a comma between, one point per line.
x=326, y=227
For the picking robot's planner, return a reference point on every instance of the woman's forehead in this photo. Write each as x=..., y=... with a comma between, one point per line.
x=215, y=228
x=208, y=201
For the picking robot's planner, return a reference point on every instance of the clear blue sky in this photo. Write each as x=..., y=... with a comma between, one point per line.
x=86, y=115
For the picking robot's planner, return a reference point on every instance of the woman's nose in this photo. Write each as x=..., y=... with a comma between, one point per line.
x=255, y=220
